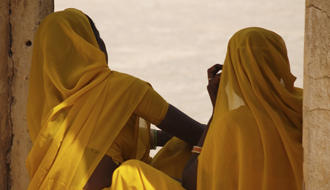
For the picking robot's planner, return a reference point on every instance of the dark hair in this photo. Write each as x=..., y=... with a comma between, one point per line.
x=96, y=32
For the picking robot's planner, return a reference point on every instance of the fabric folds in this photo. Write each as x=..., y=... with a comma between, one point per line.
x=255, y=138
x=134, y=174
x=76, y=104
x=172, y=158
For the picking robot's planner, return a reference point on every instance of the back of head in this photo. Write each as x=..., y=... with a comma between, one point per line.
x=65, y=44
x=66, y=58
x=265, y=47
x=257, y=68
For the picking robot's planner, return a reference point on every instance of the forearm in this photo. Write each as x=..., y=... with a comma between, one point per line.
x=200, y=143
x=163, y=138
x=158, y=138
x=182, y=126
x=189, y=174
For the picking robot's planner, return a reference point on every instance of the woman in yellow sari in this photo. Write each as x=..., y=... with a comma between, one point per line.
x=83, y=118
x=254, y=139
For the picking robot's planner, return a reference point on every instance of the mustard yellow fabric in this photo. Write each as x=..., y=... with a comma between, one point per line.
x=124, y=145
x=167, y=163
x=172, y=158
x=77, y=106
x=255, y=138
x=152, y=108
x=137, y=175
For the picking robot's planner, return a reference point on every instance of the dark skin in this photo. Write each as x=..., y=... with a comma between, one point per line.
x=175, y=123
x=162, y=138
x=189, y=174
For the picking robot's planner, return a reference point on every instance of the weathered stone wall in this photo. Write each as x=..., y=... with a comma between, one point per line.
x=316, y=134
x=5, y=124
x=19, y=20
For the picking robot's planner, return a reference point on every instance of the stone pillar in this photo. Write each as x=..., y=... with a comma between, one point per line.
x=19, y=20
x=316, y=111
x=5, y=122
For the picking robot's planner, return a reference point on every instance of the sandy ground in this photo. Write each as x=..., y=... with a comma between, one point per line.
x=171, y=43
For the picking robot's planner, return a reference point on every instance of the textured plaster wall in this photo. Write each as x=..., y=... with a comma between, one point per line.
x=19, y=20
x=316, y=134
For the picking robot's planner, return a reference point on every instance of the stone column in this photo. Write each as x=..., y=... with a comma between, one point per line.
x=5, y=122
x=316, y=111
x=19, y=20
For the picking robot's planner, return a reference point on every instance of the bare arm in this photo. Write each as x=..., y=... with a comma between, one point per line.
x=159, y=138
x=182, y=126
x=189, y=174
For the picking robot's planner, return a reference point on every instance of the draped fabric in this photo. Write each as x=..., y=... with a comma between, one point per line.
x=137, y=175
x=76, y=104
x=167, y=164
x=172, y=158
x=255, y=138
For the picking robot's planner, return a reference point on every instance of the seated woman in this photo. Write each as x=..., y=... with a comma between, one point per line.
x=83, y=118
x=254, y=140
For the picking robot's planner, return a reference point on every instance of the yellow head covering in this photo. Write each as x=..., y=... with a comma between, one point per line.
x=76, y=104
x=254, y=140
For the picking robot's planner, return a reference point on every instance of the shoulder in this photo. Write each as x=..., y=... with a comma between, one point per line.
x=118, y=76
x=127, y=84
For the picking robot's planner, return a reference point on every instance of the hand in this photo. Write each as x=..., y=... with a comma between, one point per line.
x=214, y=81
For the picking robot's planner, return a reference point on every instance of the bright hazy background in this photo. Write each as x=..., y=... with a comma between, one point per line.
x=171, y=43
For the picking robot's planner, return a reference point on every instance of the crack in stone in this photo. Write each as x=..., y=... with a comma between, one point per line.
x=317, y=78
x=10, y=76
x=315, y=7
x=316, y=109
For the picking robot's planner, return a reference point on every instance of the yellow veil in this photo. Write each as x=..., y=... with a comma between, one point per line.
x=254, y=140
x=76, y=104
